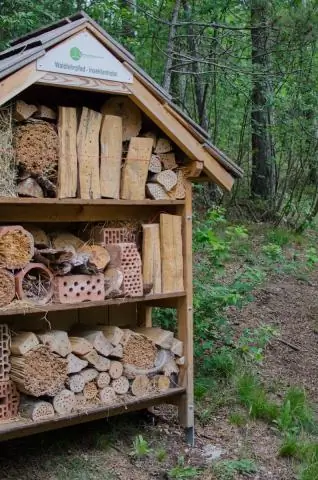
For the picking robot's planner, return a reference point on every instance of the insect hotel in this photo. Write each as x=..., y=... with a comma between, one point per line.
x=96, y=165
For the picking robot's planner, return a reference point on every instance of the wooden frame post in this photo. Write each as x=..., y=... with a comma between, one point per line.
x=185, y=321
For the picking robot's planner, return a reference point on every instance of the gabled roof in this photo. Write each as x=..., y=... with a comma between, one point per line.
x=32, y=46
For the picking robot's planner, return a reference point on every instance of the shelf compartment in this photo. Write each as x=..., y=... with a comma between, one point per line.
x=23, y=427
x=164, y=299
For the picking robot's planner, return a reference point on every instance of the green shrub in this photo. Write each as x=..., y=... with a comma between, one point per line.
x=228, y=469
x=253, y=396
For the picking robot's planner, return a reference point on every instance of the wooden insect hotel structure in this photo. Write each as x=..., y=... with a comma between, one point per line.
x=96, y=167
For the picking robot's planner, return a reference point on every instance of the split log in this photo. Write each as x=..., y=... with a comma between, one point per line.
x=135, y=170
x=180, y=361
x=98, y=255
x=193, y=169
x=16, y=247
x=117, y=352
x=23, y=342
x=120, y=385
x=89, y=374
x=161, y=383
x=30, y=188
x=64, y=240
x=171, y=253
x=80, y=401
x=101, y=363
x=131, y=116
x=7, y=287
x=47, y=113
x=113, y=334
x=88, y=153
x=114, y=278
x=152, y=135
x=107, y=395
x=57, y=341
x=167, y=179
x=23, y=110
x=90, y=391
x=97, y=339
x=160, y=337
x=163, y=146
x=151, y=259
x=115, y=369
x=177, y=347
x=76, y=383
x=80, y=346
x=36, y=409
x=168, y=161
x=39, y=372
x=67, y=169
x=178, y=192
x=111, y=138
x=139, y=351
x=155, y=164
x=170, y=368
x=156, y=191
x=140, y=386
x=103, y=380
x=75, y=364
x=41, y=240
x=64, y=402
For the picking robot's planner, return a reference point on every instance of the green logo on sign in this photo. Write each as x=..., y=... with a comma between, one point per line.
x=75, y=53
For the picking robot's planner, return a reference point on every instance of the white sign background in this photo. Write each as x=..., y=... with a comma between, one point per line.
x=85, y=56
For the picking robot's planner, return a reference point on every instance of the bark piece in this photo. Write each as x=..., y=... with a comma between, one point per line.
x=107, y=395
x=140, y=386
x=23, y=342
x=75, y=364
x=23, y=110
x=98, y=255
x=115, y=369
x=131, y=116
x=155, y=164
x=120, y=385
x=103, y=380
x=98, y=341
x=36, y=409
x=163, y=146
x=113, y=334
x=151, y=257
x=161, y=383
x=168, y=161
x=30, y=188
x=101, y=363
x=67, y=169
x=89, y=374
x=76, y=383
x=156, y=191
x=160, y=337
x=167, y=179
x=16, y=247
x=90, y=391
x=57, y=341
x=171, y=253
x=177, y=347
x=80, y=346
x=111, y=137
x=47, y=113
x=135, y=170
x=117, y=352
x=88, y=153
x=7, y=287
x=64, y=402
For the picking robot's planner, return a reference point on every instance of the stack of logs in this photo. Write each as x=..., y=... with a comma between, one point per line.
x=61, y=373
x=58, y=156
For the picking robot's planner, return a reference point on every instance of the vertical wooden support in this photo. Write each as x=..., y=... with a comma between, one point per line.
x=144, y=316
x=185, y=320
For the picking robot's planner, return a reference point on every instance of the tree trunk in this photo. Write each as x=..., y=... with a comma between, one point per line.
x=171, y=46
x=128, y=27
x=263, y=181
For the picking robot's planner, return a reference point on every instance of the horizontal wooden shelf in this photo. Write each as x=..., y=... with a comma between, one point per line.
x=24, y=427
x=21, y=308
x=80, y=201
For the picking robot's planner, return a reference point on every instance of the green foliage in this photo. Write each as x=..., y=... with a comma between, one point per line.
x=228, y=469
x=161, y=455
x=311, y=257
x=181, y=471
x=253, y=396
x=295, y=413
x=289, y=447
x=252, y=343
x=273, y=251
x=140, y=447
x=238, y=419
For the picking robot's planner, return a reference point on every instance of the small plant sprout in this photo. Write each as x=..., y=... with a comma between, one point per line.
x=140, y=447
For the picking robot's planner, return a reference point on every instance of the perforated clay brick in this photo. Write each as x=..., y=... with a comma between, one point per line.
x=79, y=288
x=9, y=400
x=111, y=236
x=127, y=257
x=5, y=343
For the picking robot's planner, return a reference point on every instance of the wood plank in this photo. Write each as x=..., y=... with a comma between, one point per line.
x=111, y=138
x=136, y=167
x=67, y=171
x=178, y=133
x=24, y=427
x=23, y=309
x=88, y=153
x=83, y=83
x=151, y=258
x=171, y=253
x=185, y=317
x=84, y=202
x=18, y=81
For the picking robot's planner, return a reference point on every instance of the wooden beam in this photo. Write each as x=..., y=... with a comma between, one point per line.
x=19, y=81
x=178, y=133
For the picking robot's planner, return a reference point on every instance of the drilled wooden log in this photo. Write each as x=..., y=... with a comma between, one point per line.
x=75, y=383
x=97, y=339
x=107, y=396
x=90, y=391
x=117, y=352
x=120, y=385
x=156, y=192
x=167, y=179
x=23, y=342
x=168, y=161
x=98, y=255
x=101, y=363
x=115, y=369
x=80, y=346
x=155, y=164
x=35, y=409
x=41, y=239
x=75, y=364
x=140, y=386
x=57, y=341
x=103, y=380
x=113, y=334
x=163, y=145
x=23, y=110
x=89, y=374
x=161, y=383
x=63, y=240
x=64, y=402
